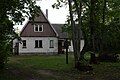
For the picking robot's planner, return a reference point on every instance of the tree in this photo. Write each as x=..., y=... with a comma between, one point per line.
x=75, y=36
x=12, y=13
x=96, y=19
x=75, y=22
x=105, y=37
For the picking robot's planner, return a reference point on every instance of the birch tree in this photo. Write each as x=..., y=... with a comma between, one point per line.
x=75, y=21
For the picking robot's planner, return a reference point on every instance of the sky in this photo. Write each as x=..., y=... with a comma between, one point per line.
x=54, y=15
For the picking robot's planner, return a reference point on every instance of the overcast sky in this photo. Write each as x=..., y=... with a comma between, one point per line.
x=54, y=15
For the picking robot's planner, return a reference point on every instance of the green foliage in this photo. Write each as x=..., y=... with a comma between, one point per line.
x=99, y=22
x=14, y=9
x=107, y=24
x=12, y=13
x=5, y=41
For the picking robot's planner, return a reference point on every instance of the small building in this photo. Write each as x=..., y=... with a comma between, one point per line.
x=42, y=37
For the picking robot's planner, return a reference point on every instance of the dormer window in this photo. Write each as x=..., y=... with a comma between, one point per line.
x=38, y=28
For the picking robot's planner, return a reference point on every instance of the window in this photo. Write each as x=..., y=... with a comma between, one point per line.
x=41, y=28
x=38, y=28
x=38, y=43
x=24, y=43
x=51, y=44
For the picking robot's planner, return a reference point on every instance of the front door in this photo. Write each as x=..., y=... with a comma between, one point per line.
x=16, y=49
x=60, y=47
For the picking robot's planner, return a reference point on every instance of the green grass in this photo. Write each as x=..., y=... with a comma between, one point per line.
x=42, y=62
x=49, y=67
x=108, y=70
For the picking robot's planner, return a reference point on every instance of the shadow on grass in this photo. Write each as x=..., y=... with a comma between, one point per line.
x=54, y=68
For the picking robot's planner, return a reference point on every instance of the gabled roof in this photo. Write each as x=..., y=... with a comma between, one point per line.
x=61, y=34
x=48, y=30
x=58, y=28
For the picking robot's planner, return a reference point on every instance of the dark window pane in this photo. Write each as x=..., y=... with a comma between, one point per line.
x=36, y=43
x=40, y=43
x=51, y=44
x=36, y=28
x=24, y=43
x=40, y=29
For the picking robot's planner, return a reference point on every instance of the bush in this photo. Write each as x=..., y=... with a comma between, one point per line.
x=112, y=57
x=83, y=65
x=4, y=53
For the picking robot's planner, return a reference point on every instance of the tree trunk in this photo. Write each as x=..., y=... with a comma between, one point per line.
x=104, y=8
x=74, y=40
x=103, y=21
x=92, y=29
x=79, y=11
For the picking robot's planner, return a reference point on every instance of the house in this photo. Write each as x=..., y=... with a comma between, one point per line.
x=42, y=37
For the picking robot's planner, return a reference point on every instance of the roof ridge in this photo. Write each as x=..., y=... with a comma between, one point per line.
x=24, y=27
x=49, y=23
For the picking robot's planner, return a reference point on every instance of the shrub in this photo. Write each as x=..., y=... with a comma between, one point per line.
x=112, y=57
x=84, y=65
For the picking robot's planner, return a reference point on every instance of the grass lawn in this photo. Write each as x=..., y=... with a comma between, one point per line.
x=44, y=67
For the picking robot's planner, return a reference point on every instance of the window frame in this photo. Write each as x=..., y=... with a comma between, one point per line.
x=24, y=44
x=51, y=43
x=38, y=27
x=38, y=44
x=41, y=28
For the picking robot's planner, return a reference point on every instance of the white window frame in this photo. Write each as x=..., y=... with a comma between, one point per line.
x=51, y=43
x=38, y=26
x=38, y=44
x=24, y=44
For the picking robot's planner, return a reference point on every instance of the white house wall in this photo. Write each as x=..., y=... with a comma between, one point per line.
x=30, y=45
x=71, y=47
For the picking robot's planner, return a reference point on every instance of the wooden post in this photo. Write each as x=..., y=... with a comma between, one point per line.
x=66, y=46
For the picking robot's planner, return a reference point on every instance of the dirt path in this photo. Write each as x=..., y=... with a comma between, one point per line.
x=45, y=74
x=26, y=74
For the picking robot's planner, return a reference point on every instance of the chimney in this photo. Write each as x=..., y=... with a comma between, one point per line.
x=47, y=13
